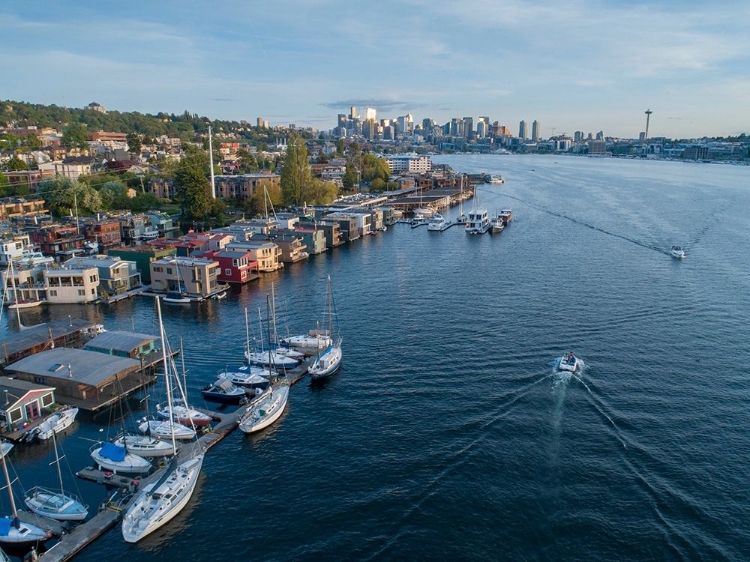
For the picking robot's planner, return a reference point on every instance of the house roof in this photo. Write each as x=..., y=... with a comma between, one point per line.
x=119, y=341
x=80, y=365
x=40, y=334
x=17, y=390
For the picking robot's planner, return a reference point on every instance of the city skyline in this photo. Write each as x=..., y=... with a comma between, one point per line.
x=579, y=66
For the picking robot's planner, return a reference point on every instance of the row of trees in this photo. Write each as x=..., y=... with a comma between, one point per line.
x=65, y=195
x=298, y=187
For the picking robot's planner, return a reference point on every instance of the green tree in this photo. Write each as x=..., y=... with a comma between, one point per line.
x=340, y=148
x=134, y=143
x=374, y=167
x=64, y=194
x=247, y=161
x=350, y=176
x=377, y=185
x=192, y=184
x=74, y=136
x=322, y=158
x=31, y=142
x=295, y=174
x=321, y=192
x=114, y=196
x=15, y=164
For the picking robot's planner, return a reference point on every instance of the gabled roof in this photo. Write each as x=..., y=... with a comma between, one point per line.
x=119, y=341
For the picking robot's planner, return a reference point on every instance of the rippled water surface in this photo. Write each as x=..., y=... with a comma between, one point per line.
x=447, y=434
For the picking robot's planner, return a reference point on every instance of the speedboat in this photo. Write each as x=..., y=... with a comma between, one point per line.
x=569, y=362
x=223, y=391
x=677, y=252
x=264, y=411
x=437, y=223
x=57, y=422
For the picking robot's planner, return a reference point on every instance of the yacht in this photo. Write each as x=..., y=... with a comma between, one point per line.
x=437, y=222
x=677, y=252
x=569, y=362
x=478, y=222
x=496, y=179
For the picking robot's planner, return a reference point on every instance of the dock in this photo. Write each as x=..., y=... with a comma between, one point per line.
x=74, y=541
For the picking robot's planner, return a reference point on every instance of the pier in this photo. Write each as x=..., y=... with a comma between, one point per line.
x=74, y=541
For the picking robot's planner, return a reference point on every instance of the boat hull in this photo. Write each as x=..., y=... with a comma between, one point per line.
x=255, y=422
x=55, y=425
x=146, y=447
x=161, y=430
x=55, y=505
x=21, y=534
x=133, y=464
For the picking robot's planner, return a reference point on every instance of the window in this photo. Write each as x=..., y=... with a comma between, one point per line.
x=47, y=400
x=159, y=269
x=169, y=271
x=15, y=415
x=82, y=292
x=235, y=262
x=39, y=380
x=53, y=293
x=93, y=291
x=228, y=271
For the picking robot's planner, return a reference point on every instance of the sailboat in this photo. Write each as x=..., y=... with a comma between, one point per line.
x=276, y=357
x=177, y=296
x=19, y=303
x=13, y=531
x=329, y=360
x=144, y=446
x=159, y=502
x=265, y=410
x=60, y=505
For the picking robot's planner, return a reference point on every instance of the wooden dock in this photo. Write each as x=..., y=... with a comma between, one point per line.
x=84, y=534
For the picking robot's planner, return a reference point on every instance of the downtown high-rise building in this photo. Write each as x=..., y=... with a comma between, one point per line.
x=535, y=134
x=522, y=132
x=353, y=113
x=468, y=127
x=371, y=114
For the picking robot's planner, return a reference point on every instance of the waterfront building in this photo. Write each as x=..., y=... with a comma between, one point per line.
x=115, y=275
x=196, y=277
x=125, y=344
x=597, y=147
x=409, y=163
x=13, y=248
x=106, y=233
x=242, y=186
x=522, y=133
x=291, y=245
x=23, y=402
x=132, y=228
x=535, y=132
x=56, y=239
x=71, y=285
x=347, y=223
x=162, y=223
x=80, y=377
x=14, y=207
x=331, y=231
x=256, y=225
x=235, y=266
x=314, y=239
x=143, y=256
x=266, y=253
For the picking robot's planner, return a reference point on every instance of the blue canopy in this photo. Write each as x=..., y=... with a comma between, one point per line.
x=113, y=452
x=5, y=524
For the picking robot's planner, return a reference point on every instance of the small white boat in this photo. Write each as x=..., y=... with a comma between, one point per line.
x=219, y=295
x=24, y=304
x=117, y=459
x=189, y=417
x=175, y=297
x=314, y=340
x=327, y=363
x=57, y=422
x=145, y=446
x=478, y=222
x=266, y=410
x=5, y=447
x=569, y=362
x=273, y=359
x=163, y=429
x=248, y=377
x=496, y=179
x=677, y=252
x=437, y=223
x=159, y=502
x=498, y=225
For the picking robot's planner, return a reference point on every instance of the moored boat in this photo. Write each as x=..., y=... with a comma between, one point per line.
x=189, y=417
x=163, y=429
x=249, y=377
x=175, y=297
x=117, y=459
x=478, y=222
x=265, y=411
x=223, y=391
x=506, y=215
x=314, y=340
x=437, y=223
x=498, y=225
x=57, y=422
x=145, y=446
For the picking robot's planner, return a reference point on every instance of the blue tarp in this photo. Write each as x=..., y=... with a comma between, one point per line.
x=5, y=524
x=113, y=452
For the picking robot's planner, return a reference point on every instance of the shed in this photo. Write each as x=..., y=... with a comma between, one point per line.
x=124, y=344
x=22, y=401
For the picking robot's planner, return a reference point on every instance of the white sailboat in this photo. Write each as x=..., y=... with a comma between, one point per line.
x=177, y=296
x=116, y=458
x=159, y=502
x=266, y=410
x=55, y=504
x=14, y=532
x=329, y=360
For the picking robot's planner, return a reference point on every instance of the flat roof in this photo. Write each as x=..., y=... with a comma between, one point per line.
x=9, y=384
x=36, y=335
x=120, y=341
x=87, y=367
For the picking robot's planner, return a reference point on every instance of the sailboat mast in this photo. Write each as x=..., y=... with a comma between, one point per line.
x=273, y=315
x=57, y=462
x=330, y=313
x=211, y=160
x=15, y=291
x=166, y=372
x=247, y=332
x=184, y=372
x=10, y=491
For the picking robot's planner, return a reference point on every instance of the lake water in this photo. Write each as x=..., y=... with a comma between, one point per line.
x=447, y=433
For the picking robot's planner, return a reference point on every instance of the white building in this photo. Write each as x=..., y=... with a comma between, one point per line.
x=371, y=114
x=71, y=285
x=409, y=163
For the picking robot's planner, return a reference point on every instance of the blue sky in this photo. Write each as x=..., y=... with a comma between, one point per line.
x=573, y=65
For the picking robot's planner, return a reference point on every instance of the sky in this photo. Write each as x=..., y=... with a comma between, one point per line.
x=573, y=65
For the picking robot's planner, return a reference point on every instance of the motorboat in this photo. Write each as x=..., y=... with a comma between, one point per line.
x=506, y=215
x=57, y=422
x=437, y=223
x=116, y=458
x=677, y=252
x=498, y=225
x=223, y=391
x=145, y=446
x=265, y=411
x=569, y=362
x=478, y=222
x=249, y=377
x=175, y=297
x=163, y=429
x=496, y=179
x=159, y=502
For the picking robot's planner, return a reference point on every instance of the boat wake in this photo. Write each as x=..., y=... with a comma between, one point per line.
x=594, y=401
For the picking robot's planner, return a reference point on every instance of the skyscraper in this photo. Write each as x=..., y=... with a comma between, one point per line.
x=522, y=133
x=535, y=130
x=353, y=113
x=468, y=127
x=481, y=128
x=371, y=113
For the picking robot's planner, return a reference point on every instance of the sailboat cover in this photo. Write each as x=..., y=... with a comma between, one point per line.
x=113, y=452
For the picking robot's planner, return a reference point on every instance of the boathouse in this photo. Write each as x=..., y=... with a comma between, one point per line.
x=60, y=333
x=22, y=402
x=80, y=377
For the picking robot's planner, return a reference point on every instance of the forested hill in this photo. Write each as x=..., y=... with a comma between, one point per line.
x=21, y=114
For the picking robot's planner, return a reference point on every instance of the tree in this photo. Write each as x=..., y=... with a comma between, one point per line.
x=321, y=192
x=350, y=176
x=114, y=196
x=247, y=161
x=192, y=184
x=374, y=167
x=134, y=143
x=15, y=164
x=64, y=194
x=74, y=136
x=31, y=142
x=377, y=185
x=340, y=148
x=322, y=158
x=295, y=174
